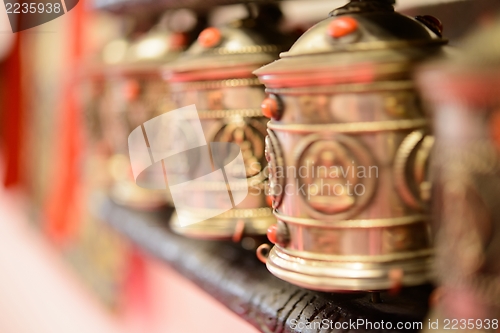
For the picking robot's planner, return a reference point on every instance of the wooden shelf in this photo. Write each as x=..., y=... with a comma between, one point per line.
x=240, y=282
x=133, y=6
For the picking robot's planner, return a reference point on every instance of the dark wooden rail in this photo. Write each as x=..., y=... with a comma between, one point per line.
x=239, y=281
x=131, y=6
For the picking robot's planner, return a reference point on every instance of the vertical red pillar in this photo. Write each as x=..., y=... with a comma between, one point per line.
x=62, y=206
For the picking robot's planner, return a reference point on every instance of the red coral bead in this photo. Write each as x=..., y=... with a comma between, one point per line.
x=131, y=90
x=432, y=23
x=269, y=200
x=178, y=41
x=269, y=107
x=210, y=37
x=342, y=27
x=272, y=233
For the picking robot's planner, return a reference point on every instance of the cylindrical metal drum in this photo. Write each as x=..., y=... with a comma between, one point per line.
x=347, y=148
x=464, y=94
x=134, y=92
x=215, y=75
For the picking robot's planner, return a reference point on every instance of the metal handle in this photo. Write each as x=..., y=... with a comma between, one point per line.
x=263, y=252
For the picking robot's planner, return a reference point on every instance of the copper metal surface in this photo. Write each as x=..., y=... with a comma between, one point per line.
x=215, y=74
x=464, y=97
x=350, y=106
x=131, y=91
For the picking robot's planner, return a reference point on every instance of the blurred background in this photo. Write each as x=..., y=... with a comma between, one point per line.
x=62, y=268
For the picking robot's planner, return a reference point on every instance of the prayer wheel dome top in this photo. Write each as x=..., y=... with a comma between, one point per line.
x=361, y=42
x=231, y=51
x=146, y=54
x=156, y=46
x=470, y=76
x=151, y=51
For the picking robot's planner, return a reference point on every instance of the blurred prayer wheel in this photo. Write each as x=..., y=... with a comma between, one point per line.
x=134, y=93
x=464, y=96
x=215, y=75
x=347, y=148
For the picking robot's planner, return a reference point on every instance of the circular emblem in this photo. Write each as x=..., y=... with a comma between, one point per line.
x=336, y=175
x=276, y=168
x=411, y=169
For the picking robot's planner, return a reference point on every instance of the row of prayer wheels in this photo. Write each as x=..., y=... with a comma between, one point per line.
x=366, y=170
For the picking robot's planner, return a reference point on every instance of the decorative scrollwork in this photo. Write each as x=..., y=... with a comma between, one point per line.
x=410, y=168
x=276, y=168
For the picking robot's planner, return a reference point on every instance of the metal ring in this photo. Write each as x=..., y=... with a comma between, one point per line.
x=345, y=88
x=353, y=224
x=216, y=84
x=361, y=127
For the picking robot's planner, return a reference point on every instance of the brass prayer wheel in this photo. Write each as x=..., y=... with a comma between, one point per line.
x=347, y=148
x=464, y=96
x=215, y=74
x=134, y=93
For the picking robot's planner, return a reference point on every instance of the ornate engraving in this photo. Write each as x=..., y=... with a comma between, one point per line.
x=214, y=100
x=405, y=238
x=337, y=175
x=276, y=168
x=410, y=168
x=249, y=135
x=468, y=187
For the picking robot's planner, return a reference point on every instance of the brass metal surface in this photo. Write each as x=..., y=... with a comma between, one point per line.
x=215, y=74
x=351, y=121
